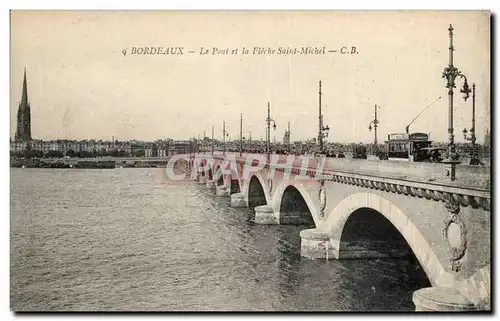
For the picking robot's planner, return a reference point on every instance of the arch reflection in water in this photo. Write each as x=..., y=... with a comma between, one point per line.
x=219, y=176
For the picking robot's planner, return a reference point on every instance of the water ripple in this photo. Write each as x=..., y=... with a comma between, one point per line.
x=124, y=240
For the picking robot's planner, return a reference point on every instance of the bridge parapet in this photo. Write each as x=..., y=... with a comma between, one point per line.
x=465, y=196
x=428, y=180
x=466, y=175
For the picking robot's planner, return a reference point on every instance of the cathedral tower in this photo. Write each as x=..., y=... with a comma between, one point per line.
x=23, y=132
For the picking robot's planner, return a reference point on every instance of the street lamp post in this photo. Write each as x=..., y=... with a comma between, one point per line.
x=224, y=134
x=322, y=130
x=474, y=157
x=375, y=126
x=241, y=134
x=289, y=139
x=451, y=73
x=212, y=139
x=269, y=120
x=204, y=145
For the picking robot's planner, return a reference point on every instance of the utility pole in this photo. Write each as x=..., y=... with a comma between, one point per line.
x=322, y=130
x=203, y=142
x=241, y=134
x=268, y=129
x=289, y=139
x=473, y=129
x=320, y=125
x=474, y=160
x=375, y=126
x=450, y=73
x=224, y=137
x=268, y=133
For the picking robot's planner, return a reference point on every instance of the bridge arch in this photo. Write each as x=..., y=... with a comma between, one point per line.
x=284, y=188
x=234, y=185
x=223, y=175
x=238, y=178
x=191, y=165
x=233, y=177
x=338, y=217
x=256, y=191
x=210, y=175
x=217, y=176
x=202, y=164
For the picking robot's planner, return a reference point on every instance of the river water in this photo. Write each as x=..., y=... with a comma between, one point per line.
x=125, y=240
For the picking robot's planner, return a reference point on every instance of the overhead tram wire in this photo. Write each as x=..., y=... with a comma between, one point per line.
x=408, y=126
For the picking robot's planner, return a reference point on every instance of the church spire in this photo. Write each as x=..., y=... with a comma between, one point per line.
x=24, y=98
x=23, y=132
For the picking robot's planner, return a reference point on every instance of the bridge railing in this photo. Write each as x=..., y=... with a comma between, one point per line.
x=473, y=176
x=466, y=175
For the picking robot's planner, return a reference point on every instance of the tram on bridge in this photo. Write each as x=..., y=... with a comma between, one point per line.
x=414, y=147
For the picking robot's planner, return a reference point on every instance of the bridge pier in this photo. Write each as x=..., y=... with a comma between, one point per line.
x=221, y=190
x=444, y=299
x=193, y=176
x=238, y=200
x=315, y=244
x=264, y=214
x=202, y=179
x=210, y=183
x=295, y=218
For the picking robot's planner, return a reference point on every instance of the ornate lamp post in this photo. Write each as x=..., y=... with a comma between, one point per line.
x=474, y=157
x=451, y=73
x=269, y=120
x=375, y=125
x=288, y=134
x=224, y=135
x=322, y=130
x=203, y=142
x=241, y=134
x=212, y=139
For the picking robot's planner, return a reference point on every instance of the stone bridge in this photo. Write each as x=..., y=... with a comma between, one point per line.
x=365, y=209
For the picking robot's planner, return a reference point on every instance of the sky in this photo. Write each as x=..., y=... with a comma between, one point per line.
x=82, y=86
